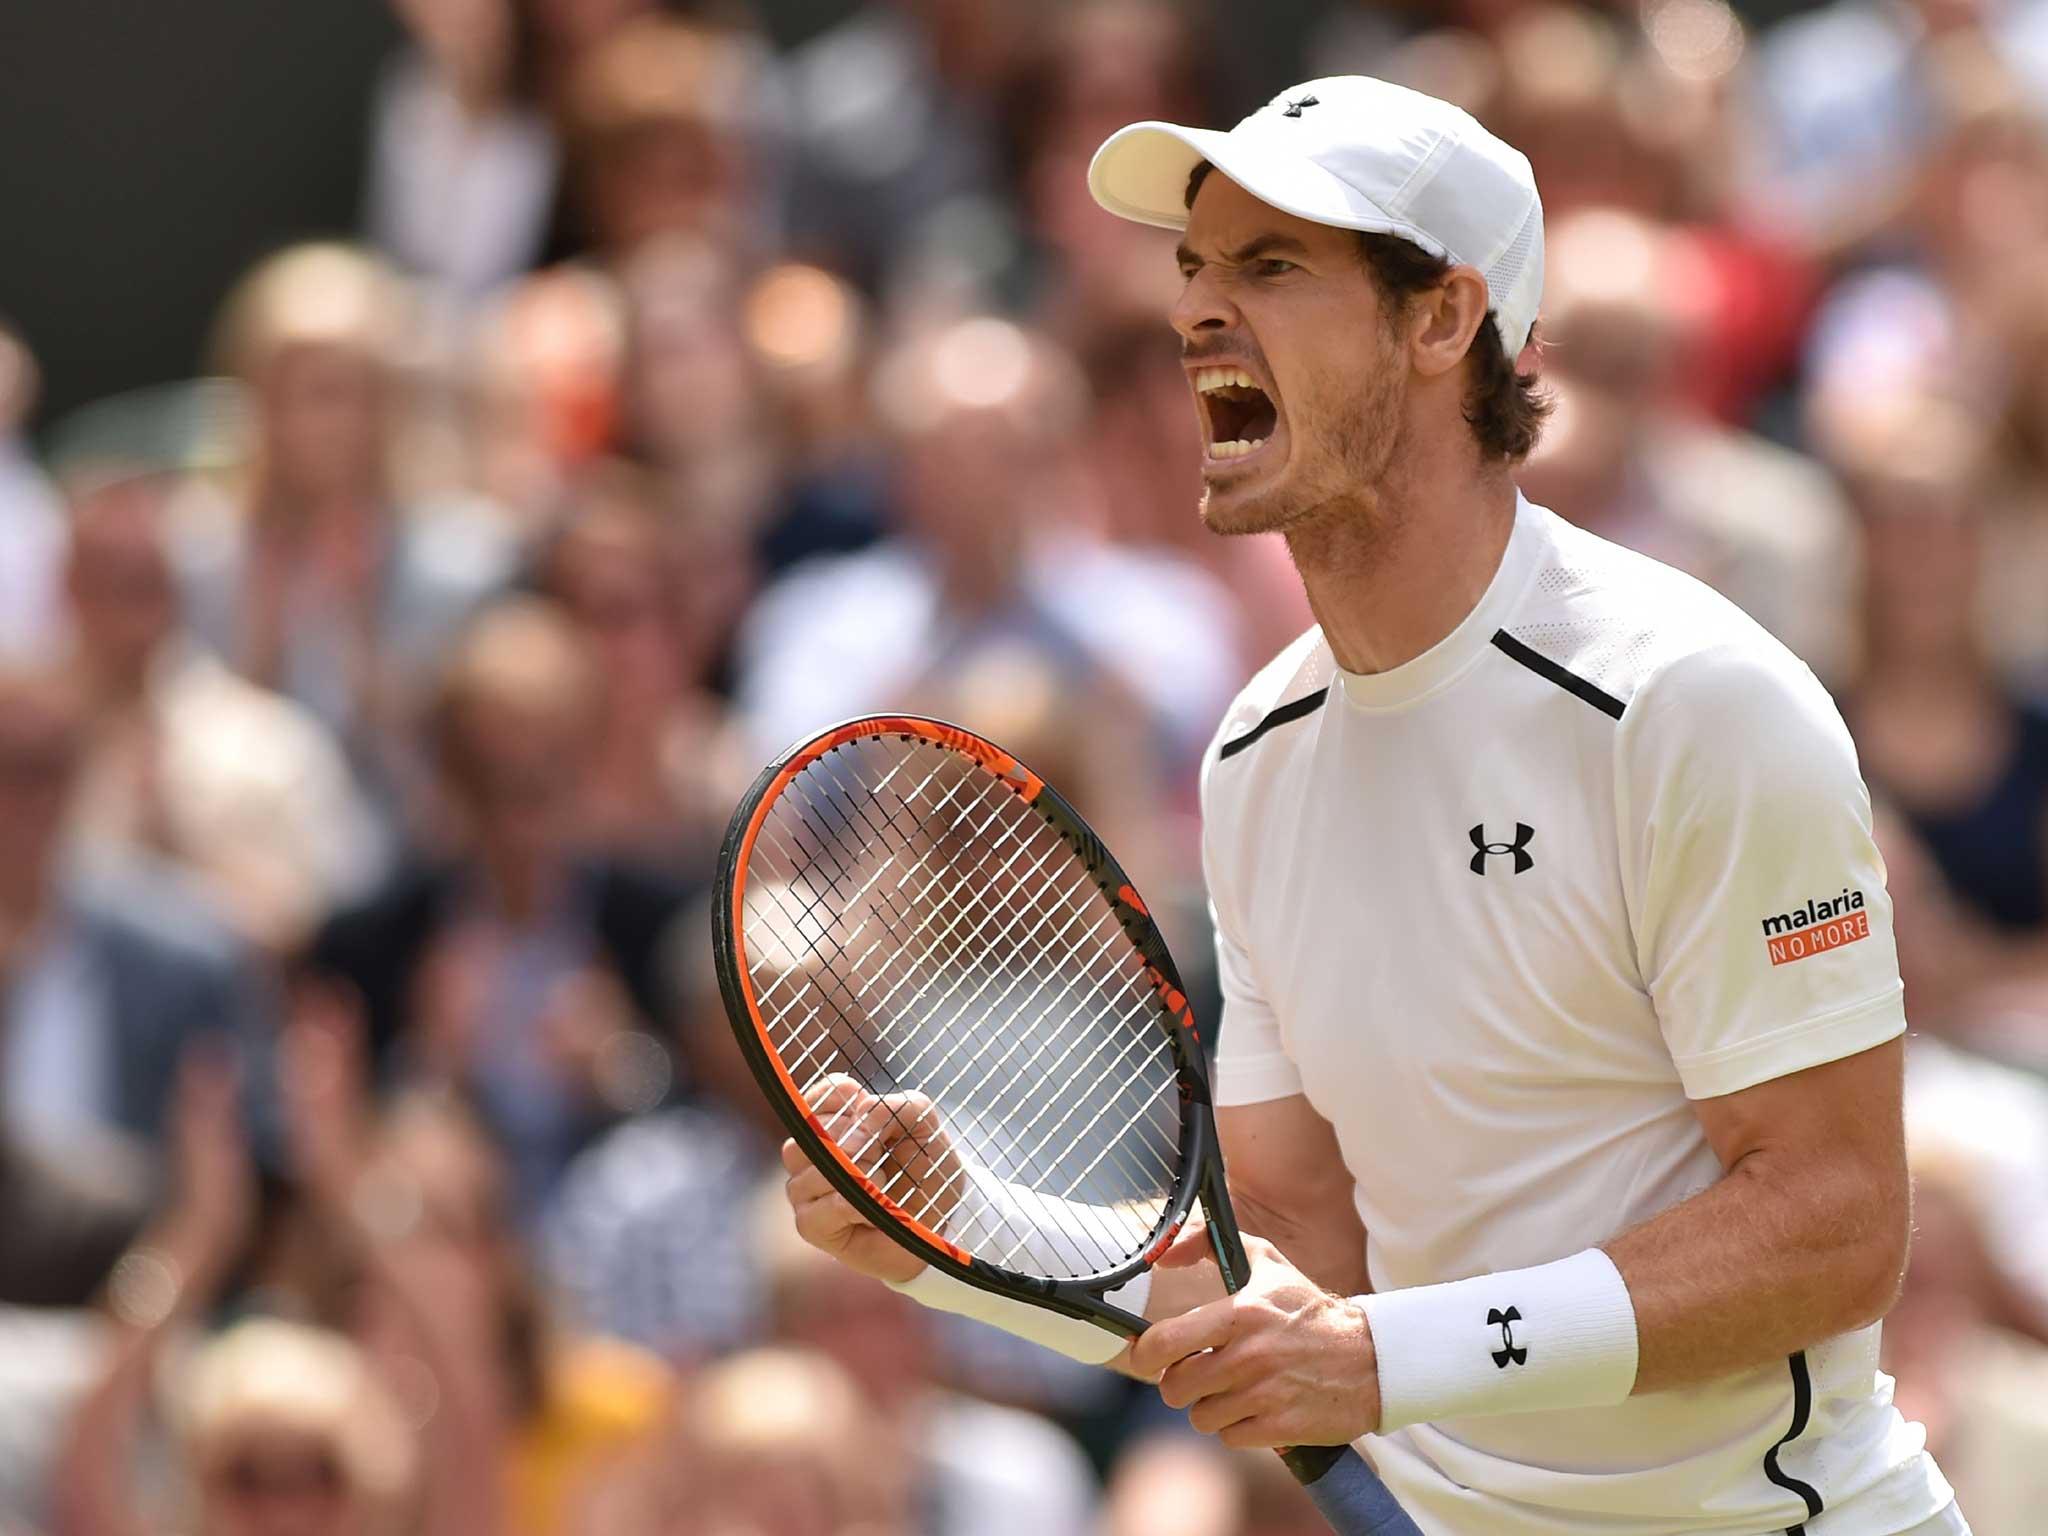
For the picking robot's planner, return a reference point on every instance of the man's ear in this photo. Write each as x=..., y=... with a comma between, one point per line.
x=1447, y=317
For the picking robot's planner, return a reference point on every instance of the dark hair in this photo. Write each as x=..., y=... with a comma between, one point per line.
x=1506, y=409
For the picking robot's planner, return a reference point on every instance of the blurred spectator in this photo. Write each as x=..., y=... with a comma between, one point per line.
x=976, y=1469
x=695, y=410
x=650, y=1240
x=1581, y=95
x=281, y=1432
x=104, y=982
x=1628, y=458
x=278, y=1430
x=2016, y=533
x=560, y=34
x=985, y=417
x=49, y=1359
x=1183, y=1485
x=773, y=1442
x=67, y=1219
x=1980, y=200
x=808, y=330
x=661, y=119
x=657, y=784
x=1174, y=1485
x=897, y=160
x=1959, y=754
x=421, y=1198
x=1847, y=103
x=188, y=762
x=463, y=163
x=509, y=962
x=320, y=583
x=31, y=520
x=1980, y=1388
x=542, y=391
x=1095, y=66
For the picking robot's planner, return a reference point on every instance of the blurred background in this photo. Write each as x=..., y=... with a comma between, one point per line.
x=446, y=448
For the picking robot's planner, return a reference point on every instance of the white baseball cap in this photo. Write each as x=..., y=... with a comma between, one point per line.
x=1357, y=153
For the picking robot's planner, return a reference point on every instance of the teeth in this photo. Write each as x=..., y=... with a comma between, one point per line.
x=1237, y=448
x=1208, y=379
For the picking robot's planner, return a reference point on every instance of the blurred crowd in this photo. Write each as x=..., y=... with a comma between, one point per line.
x=374, y=1156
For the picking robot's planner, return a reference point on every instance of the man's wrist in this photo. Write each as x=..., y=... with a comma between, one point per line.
x=1558, y=1335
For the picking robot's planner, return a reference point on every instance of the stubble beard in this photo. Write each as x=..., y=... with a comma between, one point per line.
x=1336, y=469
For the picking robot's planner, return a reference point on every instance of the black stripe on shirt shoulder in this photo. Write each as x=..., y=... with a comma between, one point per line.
x=1307, y=704
x=1802, y=1410
x=1550, y=671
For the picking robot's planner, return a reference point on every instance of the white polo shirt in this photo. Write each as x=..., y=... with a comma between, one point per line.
x=1500, y=913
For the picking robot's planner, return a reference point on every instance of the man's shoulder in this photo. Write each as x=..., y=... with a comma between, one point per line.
x=1292, y=684
x=1630, y=626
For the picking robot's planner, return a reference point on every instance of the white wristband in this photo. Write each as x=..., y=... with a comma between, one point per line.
x=1069, y=1336
x=1560, y=1335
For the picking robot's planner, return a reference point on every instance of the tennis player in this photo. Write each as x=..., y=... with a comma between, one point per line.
x=1560, y=1061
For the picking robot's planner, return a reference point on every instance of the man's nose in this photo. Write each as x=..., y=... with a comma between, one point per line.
x=1203, y=308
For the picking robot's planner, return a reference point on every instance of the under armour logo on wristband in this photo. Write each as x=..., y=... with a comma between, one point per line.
x=1523, y=862
x=1296, y=108
x=1507, y=1354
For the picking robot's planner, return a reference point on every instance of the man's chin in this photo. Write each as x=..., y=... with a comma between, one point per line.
x=1245, y=508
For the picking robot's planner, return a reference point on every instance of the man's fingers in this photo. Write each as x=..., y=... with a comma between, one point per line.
x=1191, y=1247
x=807, y=1183
x=1224, y=1414
x=835, y=1092
x=1207, y=1374
x=1254, y=1433
x=824, y=1221
x=1168, y=1343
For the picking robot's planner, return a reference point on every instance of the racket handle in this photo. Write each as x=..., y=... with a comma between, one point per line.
x=1347, y=1491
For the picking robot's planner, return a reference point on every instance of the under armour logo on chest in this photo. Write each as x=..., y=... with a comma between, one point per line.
x=1507, y=1354
x=1297, y=107
x=1518, y=848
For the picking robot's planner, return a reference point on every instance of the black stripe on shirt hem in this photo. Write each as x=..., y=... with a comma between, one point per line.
x=1307, y=704
x=1802, y=1409
x=1550, y=671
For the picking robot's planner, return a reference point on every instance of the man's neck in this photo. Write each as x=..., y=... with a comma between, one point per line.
x=1391, y=574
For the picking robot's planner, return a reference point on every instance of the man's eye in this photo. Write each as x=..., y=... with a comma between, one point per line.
x=1272, y=266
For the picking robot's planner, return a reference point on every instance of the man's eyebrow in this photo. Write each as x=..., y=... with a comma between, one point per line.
x=1251, y=250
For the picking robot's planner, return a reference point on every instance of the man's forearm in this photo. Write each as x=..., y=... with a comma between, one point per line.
x=1765, y=1262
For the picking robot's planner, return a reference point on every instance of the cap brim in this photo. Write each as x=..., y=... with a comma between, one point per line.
x=1141, y=173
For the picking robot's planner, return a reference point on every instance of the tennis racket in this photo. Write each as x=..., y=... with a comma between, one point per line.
x=907, y=917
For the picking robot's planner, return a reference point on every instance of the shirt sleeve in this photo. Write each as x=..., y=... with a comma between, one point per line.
x=1756, y=893
x=1252, y=1065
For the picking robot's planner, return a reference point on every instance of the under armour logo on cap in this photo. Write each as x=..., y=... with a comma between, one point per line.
x=1296, y=108
x=1508, y=1353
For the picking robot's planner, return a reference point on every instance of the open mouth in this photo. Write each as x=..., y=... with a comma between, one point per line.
x=1237, y=414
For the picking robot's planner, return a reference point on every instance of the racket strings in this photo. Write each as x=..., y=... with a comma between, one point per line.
x=912, y=925
x=1002, y=1226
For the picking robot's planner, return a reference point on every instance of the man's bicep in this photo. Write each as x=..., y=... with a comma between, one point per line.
x=1290, y=1185
x=1847, y=1111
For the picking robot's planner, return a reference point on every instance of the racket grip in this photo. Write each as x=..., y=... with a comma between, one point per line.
x=1347, y=1491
